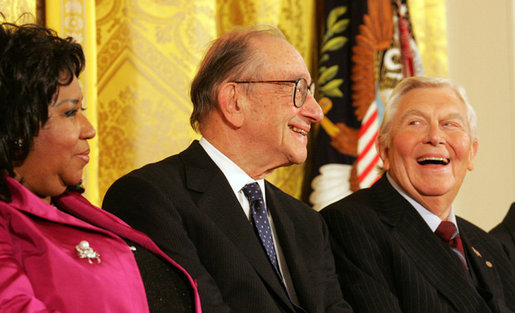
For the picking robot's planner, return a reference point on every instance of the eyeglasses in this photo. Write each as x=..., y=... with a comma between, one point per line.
x=300, y=89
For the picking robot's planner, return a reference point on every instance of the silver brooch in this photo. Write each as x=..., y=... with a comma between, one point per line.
x=85, y=251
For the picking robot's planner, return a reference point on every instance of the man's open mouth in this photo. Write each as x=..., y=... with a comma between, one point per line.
x=433, y=160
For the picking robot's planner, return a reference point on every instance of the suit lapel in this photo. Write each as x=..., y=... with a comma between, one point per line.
x=433, y=259
x=481, y=263
x=285, y=229
x=215, y=198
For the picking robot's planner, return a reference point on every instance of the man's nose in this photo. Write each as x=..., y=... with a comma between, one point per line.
x=312, y=110
x=435, y=135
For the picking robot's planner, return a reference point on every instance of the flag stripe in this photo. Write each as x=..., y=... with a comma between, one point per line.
x=368, y=146
x=369, y=168
x=368, y=122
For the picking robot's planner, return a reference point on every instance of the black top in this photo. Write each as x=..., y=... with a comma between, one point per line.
x=167, y=288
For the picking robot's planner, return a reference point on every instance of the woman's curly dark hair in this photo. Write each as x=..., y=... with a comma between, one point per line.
x=34, y=62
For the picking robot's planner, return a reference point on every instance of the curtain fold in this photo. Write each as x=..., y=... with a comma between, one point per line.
x=13, y=10
x=148, y=52
x=430, y=28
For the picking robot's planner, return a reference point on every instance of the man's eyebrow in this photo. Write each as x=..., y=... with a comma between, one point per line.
x=455, y=115
x=411, y=113
x=452, y=115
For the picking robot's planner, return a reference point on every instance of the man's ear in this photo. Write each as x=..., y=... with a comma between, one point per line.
x=229, y=102
x=472, y=154
x=382, y=151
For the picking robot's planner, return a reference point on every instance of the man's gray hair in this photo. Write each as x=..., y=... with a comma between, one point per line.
x=230, y=57
x=418, y=82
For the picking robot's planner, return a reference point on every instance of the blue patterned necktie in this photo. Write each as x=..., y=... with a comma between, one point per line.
x=260, y=221
x=262, y=225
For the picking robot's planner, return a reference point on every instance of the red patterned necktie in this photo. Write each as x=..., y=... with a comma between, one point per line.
x=449, y=234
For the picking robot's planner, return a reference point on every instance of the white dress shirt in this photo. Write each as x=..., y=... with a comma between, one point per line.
x=237, y=179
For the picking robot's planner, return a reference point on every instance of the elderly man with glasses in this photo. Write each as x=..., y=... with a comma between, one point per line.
x=251, y=247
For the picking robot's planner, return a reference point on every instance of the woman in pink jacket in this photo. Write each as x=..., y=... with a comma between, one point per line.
x=59, y=253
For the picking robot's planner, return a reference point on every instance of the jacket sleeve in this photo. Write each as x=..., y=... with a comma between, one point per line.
x=361, y=262
x=148, y=208
x=16, y=292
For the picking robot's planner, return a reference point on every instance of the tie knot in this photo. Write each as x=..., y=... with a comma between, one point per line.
x=447, y=231
x=252, y=192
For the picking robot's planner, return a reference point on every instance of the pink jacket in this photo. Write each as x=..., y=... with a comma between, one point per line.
x=41, y=271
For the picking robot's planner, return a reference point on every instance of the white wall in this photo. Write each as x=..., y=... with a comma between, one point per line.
x=481, y=49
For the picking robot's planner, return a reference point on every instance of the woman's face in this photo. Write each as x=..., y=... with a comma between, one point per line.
x=61, y=149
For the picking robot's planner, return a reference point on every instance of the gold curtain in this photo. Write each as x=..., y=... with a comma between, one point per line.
x=429, y=26
x=13, y=9
x=147, y=55
x=142, y=54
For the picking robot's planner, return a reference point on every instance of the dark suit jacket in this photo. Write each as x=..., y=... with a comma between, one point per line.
x=185, y=204
x=389, y=260
x=505, y=233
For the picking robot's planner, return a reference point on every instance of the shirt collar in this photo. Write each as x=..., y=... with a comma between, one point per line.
x=431, y=219
x=236, y=177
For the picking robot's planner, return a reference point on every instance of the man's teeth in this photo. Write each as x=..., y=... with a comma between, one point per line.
x=298, y=130
x=433, y=160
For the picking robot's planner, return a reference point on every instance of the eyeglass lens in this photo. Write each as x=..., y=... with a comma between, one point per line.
x=301, y=92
